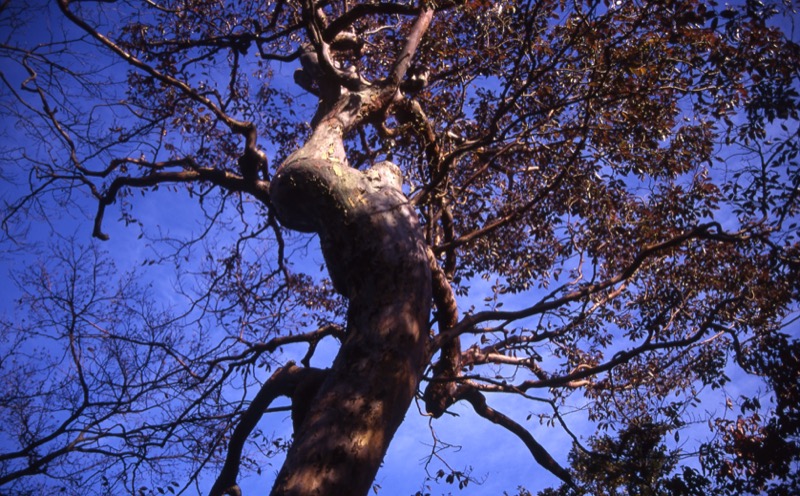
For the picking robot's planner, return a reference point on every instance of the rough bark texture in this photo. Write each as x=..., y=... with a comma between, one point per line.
x=376, y=256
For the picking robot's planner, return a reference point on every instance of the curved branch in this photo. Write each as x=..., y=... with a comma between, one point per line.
x=235, y=125
x=542, y=457
x=577, y=375
x=252, y=158
x=410, y=114
x=229, y=181
x=310, y=337
x=363, y=10
x=255, y=350
x=282, y=383
x=440, y=393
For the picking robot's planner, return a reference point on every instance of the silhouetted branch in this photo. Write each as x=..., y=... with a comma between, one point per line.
x=542, y=457
x=224, y=179
x=282, y=383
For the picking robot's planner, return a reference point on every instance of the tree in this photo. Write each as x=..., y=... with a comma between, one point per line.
x=622, y=175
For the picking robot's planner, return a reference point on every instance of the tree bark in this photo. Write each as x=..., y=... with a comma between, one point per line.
x=376, y=256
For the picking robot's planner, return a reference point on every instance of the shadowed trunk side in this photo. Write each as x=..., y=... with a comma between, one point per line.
x=376, y=256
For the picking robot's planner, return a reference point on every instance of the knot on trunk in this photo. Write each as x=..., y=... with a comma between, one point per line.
x=310, y=194
x=441, y=392
x=356, y=214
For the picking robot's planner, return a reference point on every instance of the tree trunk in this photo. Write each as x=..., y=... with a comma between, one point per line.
x=376, y=256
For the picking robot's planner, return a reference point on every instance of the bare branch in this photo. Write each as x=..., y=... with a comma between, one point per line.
x=542, y=457
x=224, y=179
x=237, y=126
x=282, y=383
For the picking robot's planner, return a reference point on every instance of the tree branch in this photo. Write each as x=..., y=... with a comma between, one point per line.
x=252, y=160
x=282, y=383
x=542, y=457
x=440, y=393
x=545, y=305
x=235, y=125
x=361, y=10
x=224, y=179
x=403, y=60
x=583, y=371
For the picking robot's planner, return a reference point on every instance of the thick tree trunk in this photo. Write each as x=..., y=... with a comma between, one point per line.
x=376, y=256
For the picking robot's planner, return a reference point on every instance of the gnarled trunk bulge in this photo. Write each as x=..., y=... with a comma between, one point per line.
x=376, y=256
